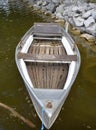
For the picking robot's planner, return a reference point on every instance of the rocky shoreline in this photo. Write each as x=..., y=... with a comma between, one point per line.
x=80, y=14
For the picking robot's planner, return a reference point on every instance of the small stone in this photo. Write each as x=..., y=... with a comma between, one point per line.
x=39, y=3
x=78, y=9
x=50, y=6
x=61, y=22
x=88, y=126
x=94, y=15
x=89, y=21
x=92, y=5
x=56, y=1
x=36, y=7
x=59, y=16
x=86, y=15
x=44, y=3
x=48, y=13
x=77, y=15
x=60, y=9
x=75, y=31
x=78, y=21
x=75, y=8
x=88, y=37
x=53, y=16
x=92, y=29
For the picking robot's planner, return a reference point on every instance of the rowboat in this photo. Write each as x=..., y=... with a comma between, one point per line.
x=48, y=61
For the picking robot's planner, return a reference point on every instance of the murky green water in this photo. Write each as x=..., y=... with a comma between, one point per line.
x=79, y=111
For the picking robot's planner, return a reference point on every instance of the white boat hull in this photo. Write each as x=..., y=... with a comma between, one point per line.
x=48, y=100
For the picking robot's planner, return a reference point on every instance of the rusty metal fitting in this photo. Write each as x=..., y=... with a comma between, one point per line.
x=49, y=104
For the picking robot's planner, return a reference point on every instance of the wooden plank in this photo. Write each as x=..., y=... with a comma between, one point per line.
x=63, y=70
x=41, y=69
x=47, y=69
x=55, y=69
x=49, y=29
x=60, y=52
x=46, y=58
x=31, y=69
x=36, y=67
x=51, y=67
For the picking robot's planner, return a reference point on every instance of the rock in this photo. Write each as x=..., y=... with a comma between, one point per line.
x=75, y=8
x=53, y=16
x=78, y=21
x=94, y=15
x=86, y=15
x=39, y=3
x=75, y=31
x=88, y=127
x=56, y=1
x=66, y=11
x=61, y=22
x=92, y=29
x=44, y=3
x=89, y=21
x=76, y=15
x=88, y=37
x=92, y=5
x=36, y=6
x=80, y=9
x=50, y=7
x=59, y=16
x=60, y=9
x=48, y=13
x=79, y=13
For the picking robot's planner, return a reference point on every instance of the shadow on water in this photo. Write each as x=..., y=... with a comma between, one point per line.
x=79, y=111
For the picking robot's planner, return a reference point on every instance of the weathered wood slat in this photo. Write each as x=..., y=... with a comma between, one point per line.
x=63, y=69
x=31, y=68
x=41, y=70
x=47, y=69
x=60, y=52
x=36, y=67
x=55, y=69
x=51, y=67
x=46, y=58
x=47, y=30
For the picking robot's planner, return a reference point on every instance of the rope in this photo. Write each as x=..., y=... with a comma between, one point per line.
x=42, y=127
x=66, y=26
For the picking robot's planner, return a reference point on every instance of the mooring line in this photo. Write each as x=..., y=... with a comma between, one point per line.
x=42, y=127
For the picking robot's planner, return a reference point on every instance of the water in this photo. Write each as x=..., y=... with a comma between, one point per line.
x=79, y=111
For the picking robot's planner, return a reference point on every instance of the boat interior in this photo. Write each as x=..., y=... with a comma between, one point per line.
x=46, y=60
x=47, y=74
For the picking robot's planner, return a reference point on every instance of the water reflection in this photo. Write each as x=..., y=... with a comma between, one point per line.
x=90, y=70
x=15, y=20
x=4, y=5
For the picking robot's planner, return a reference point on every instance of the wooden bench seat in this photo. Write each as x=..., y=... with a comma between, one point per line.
x=28, y=57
